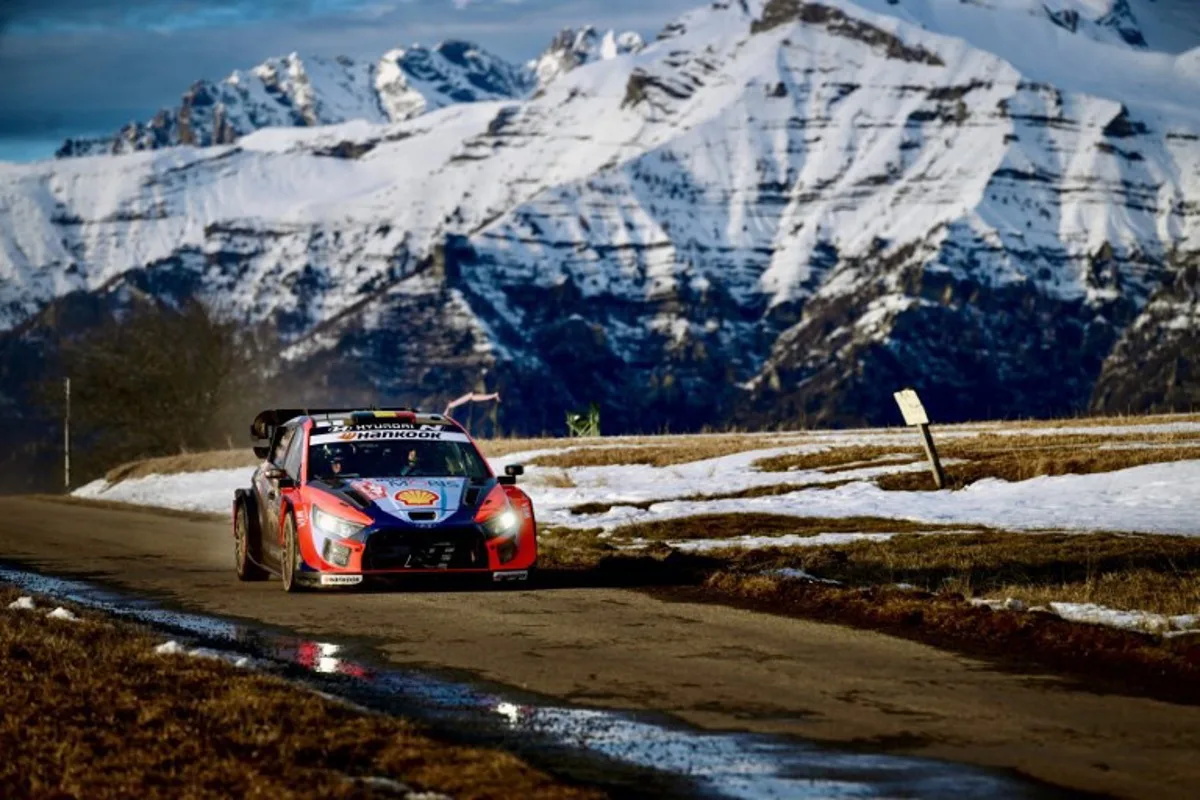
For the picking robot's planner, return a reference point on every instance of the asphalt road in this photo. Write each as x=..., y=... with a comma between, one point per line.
x=709, y=665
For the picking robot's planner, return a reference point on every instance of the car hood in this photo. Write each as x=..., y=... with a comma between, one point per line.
x=402, y=498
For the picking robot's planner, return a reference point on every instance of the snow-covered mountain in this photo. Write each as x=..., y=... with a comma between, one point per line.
x=778, y=211
x=573, y=48
x=295, y=91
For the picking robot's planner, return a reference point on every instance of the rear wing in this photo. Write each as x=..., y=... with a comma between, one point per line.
x=266, y=422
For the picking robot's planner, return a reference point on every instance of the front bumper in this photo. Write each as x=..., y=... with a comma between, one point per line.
x=330, y=580
x=395, y=551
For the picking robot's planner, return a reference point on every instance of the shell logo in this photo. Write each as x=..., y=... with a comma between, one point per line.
x=417, y=497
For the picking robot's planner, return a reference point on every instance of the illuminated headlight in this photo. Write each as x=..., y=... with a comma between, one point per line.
x=334, y=526
x=503, y=524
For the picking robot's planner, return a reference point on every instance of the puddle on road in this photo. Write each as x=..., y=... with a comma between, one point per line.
x=708, y=763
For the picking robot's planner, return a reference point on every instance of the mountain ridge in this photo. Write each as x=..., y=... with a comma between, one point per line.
x=776, y=213
x=313, y=91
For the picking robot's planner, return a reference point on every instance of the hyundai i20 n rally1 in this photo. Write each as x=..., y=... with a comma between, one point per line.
x=343, y=496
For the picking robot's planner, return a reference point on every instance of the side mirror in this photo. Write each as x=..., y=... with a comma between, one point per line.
x=287, y=482
x=514, y=470
x=261, y=452
x=274, y=473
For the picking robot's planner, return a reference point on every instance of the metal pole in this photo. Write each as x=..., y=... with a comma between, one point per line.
x=67, y=436
x=935, y=463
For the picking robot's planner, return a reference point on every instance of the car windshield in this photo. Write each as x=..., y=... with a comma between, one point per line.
x=395, y=459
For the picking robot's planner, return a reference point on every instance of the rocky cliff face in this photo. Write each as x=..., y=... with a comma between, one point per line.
x=296, y=91
x=573, y=48
x=1155, y=365
x=778, y=212
x=304, y=92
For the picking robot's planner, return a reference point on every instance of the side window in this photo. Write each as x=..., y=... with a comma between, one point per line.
x=295, y=454
x=282, y=440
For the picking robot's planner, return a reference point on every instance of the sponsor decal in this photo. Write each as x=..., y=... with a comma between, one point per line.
x=385, y=426
x=368, y=436
x=511, y=575
x=425, y=483
x=340, y=580
x=417, y=497
x=371, y=489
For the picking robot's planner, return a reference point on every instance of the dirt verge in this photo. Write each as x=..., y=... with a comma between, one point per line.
x=88, y=709
x=939, y=575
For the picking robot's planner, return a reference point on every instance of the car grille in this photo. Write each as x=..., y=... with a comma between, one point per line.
x=459, y=547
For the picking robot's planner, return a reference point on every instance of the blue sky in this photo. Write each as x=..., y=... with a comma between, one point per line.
x=85, y=67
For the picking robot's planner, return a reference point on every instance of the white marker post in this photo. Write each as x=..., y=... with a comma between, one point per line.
x=914, y=414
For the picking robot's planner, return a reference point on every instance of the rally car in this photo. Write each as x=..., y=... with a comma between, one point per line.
x=347, y=495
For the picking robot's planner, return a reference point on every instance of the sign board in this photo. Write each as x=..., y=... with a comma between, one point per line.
x=911, y=408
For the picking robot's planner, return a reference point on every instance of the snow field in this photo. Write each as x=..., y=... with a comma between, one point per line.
x=1152, y=499
x=1157, y=498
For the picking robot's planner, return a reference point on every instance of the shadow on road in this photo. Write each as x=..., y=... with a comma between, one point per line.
x=612, y=572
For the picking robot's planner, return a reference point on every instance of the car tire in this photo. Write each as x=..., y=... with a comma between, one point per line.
x=245, y=545
x=289, y=557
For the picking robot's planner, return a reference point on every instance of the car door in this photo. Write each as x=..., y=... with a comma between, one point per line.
x=272, y=498
x=259, y=483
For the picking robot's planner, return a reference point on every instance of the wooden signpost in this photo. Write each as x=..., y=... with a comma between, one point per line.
x=914, y=414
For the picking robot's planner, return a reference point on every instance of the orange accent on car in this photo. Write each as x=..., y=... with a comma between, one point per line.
x=417, y=497
x=495, y=502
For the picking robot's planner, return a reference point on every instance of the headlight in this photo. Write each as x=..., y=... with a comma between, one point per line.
x=334, y=526
x=503, y=524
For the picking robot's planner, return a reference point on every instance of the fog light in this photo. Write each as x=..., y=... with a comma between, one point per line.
x=507, y=551
x=336, y=553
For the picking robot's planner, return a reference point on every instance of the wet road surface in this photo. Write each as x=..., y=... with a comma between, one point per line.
x=712, y=667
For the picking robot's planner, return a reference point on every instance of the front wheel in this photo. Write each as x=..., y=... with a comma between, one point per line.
x=290, y=557
x=243, y=547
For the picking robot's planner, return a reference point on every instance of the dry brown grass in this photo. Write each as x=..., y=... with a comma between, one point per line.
x=1011, y=457
x=1140, y=589
x=723, y=526
x=1110, y=659
x=88, y=710
x=1146, y=572
x=560, y=479
x=496, y=448
x=184, y=462
x=837, y=459
x=1019, y=457
x=773, y=490
x=572, y=548
x=1111, y=421
x=1151, y=572
x=655, y=451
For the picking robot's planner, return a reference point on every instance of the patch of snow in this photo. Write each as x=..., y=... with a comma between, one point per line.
x=63, y=614
x=174, y=648
x=1007, y=604
x=793, y=574
x=1144, y=621
x=22, y=604
x=210, y=491
x=765, y=542
x=1158, y=498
